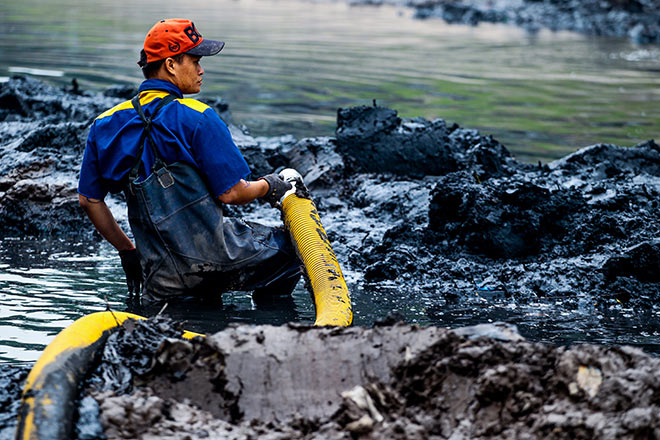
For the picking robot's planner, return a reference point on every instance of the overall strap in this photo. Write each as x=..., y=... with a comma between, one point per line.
x=158, y=160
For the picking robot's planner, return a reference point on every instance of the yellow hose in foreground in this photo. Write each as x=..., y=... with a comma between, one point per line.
x=52, y=386
x=301, y=219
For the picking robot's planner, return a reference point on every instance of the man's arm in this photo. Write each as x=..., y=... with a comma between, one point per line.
x=99, y=213
x=244, y=192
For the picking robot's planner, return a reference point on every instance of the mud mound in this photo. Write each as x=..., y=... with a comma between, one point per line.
x=211, y=372
x=486, y=389
x=502, y=221
x=637, y=20
x=534, y=213
x=579, y=215
x=43, y=138
x=38, y=209
x=602, y=161
x=38, y=170
x=24, y=98
x=374, y=139
x=386, y=382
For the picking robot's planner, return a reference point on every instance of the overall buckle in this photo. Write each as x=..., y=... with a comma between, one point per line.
x=164, y=178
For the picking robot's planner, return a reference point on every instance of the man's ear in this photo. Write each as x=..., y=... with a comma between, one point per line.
x=169, y=66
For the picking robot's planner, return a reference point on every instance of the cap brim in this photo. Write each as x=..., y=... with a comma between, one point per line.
x=207, y=48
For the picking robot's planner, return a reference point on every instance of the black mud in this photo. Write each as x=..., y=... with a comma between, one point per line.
x=396, y=382
x=408, y=203
x=43, y=133
x=410, y=206
x=12, y=378
x=584, y=224
x=638, y=20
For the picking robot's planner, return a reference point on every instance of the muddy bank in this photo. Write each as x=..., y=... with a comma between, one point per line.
x=391, y=381
x=411, y=204
x=637, y=19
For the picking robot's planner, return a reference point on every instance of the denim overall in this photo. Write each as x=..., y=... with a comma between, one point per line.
x=185, y=245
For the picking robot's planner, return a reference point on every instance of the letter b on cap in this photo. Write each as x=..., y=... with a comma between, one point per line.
x=192, y=34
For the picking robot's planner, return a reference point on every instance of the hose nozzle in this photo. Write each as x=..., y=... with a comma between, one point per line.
x=298, y=185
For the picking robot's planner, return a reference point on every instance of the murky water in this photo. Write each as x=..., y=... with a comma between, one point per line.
x=287, y=66
x=564, y=320
x=46, y=285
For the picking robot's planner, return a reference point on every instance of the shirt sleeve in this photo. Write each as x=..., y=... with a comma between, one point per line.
x=90, y=182
x=217, y=155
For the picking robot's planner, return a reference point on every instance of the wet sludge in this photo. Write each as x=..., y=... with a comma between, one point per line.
x=12, y=378
x=407, y=203
x=391, y=381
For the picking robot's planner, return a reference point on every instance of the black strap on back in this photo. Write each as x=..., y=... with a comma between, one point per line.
x=158, y=160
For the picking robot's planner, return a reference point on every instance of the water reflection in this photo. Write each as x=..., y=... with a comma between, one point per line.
x=47, y=284
x=288, y=65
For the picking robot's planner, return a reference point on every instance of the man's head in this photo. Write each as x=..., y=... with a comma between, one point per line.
x=172, y=50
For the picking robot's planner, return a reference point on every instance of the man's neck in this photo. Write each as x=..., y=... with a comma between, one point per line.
x=160, y=84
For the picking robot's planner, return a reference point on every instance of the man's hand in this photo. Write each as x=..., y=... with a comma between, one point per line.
x=105, y=223
x=276, y=188
x=132, y=269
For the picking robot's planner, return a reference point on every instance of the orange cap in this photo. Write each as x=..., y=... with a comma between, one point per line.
x=174, y=36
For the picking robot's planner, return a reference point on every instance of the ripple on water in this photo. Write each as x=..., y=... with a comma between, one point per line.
x=45, y=285
x=288, y=65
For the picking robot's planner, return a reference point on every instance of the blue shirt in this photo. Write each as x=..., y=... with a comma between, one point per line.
x=184, y=130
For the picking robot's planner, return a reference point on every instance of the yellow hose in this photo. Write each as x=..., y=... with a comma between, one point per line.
x=331, y=296
x=52, y=385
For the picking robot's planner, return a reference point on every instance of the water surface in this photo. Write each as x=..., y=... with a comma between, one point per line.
x=288, y=65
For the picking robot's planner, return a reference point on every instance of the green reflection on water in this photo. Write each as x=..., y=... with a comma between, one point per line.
x=289, y=65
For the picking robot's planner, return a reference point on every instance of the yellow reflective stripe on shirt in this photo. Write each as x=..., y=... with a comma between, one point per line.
x=150, y=95
x=145, y=98
x=193, y=104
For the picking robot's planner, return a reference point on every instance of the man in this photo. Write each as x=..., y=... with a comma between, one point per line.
x=177, y=164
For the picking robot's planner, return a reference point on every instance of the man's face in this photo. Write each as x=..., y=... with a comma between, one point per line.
x=188, y=74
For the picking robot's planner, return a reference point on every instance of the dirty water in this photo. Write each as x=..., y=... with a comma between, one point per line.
x=46, y=285
x=288, y=65
x=42, y=294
